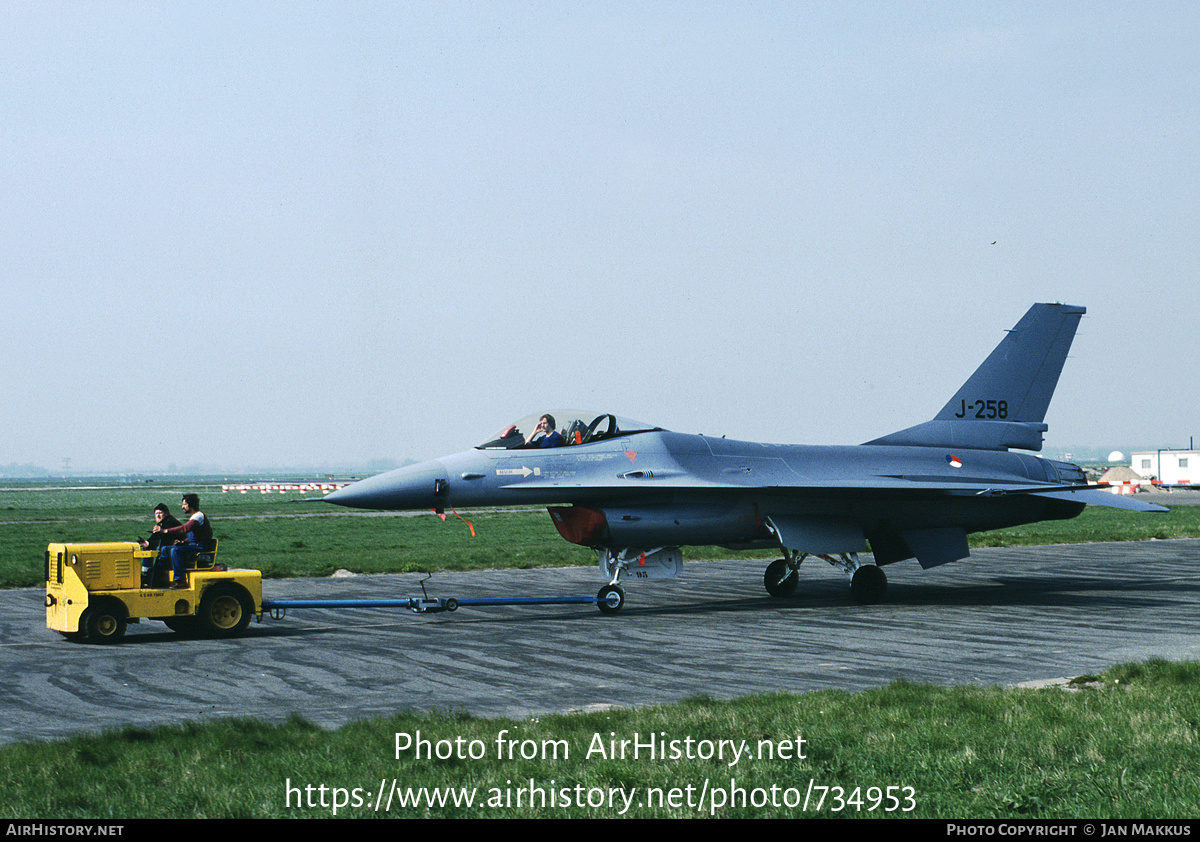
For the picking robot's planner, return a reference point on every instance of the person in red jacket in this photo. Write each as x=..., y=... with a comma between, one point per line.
x=192, y=536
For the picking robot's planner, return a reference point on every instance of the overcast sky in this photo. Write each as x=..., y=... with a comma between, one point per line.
x=319, y=233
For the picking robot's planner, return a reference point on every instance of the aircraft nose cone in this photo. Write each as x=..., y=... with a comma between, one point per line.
x=421, y=486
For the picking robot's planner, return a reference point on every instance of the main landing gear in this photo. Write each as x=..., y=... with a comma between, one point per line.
x=868, y=584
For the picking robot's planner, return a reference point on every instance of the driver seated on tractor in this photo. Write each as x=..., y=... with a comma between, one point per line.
x=193, y=536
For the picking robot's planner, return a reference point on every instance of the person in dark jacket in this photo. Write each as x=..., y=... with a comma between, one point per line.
x=163, y=519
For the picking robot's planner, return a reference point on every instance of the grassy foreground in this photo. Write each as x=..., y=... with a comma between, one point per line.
x=1122, y=745
x=282, y=536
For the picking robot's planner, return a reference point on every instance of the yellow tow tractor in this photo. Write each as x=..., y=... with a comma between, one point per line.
x=94, y=590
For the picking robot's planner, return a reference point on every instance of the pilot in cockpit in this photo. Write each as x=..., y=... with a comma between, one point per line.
x=544, y=434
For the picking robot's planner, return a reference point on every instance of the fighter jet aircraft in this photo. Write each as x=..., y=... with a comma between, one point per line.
x=637, y=493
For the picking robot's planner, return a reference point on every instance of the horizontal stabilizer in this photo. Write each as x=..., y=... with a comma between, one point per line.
x=1094, y=496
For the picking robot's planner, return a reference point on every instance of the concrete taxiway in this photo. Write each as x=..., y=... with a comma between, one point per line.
x=1004, y=616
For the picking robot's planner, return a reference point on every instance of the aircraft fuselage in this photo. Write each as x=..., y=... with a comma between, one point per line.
x=660, y=488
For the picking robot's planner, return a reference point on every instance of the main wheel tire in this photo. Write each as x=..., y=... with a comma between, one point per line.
x=103, y=622
x=868, y=585
x=779, y=579
x=608, y=603
x=224, y=611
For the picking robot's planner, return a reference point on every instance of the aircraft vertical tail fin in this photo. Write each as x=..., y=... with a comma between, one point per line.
x=1023, y=370
x=1003, y=404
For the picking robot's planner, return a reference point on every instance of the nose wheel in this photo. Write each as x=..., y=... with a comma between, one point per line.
x=610, y=599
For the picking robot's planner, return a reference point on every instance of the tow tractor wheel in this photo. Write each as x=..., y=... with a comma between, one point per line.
x=779, y=579
x=103, y=622
x=868, y=585
x=611, y=597
x=225, y=611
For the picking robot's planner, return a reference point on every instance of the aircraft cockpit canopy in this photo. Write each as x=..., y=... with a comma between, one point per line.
x=562, y=428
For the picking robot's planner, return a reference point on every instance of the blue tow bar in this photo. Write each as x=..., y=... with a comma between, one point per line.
x=609, y=600
x=425, y=606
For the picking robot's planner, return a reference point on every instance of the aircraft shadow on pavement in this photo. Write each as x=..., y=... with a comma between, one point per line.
x=1091, y=592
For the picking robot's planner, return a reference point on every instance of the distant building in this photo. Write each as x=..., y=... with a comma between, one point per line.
x=1168, y=467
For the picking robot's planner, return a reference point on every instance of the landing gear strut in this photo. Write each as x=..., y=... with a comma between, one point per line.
x=636, y=563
